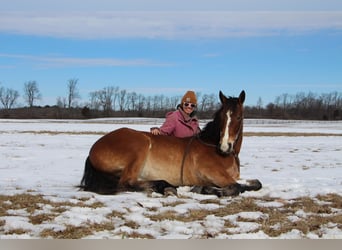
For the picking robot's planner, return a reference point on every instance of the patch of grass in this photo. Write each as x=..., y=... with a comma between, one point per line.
x=317, y=213
x=35, y=202
x=77, y=232
x=136, y=235
x=288, y=134
x=32, y=202
x=21, y=201
x=132, y=224
x=166, y=215
x=40, y=218
x=115, y=213
x=210, y=201
x=309, y=206
x=276, y=220
x=17, y=231
x=334, y=199
x=173, y=204
x=50, y=132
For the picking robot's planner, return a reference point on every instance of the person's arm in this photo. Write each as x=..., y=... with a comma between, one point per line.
x=168, y=126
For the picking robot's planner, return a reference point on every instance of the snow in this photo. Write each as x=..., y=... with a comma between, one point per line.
x=47, y=157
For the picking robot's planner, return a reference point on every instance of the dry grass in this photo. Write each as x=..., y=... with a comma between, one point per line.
x=77, y=232
x=288, y=134
x=311, y=214
x=49, y=132
x=276, y=220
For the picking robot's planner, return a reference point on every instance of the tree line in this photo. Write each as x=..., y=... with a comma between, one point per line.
x=113, y=101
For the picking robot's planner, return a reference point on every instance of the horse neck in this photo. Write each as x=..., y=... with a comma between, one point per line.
x=238, y=143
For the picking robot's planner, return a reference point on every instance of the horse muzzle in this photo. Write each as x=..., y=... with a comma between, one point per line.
x=225, y=149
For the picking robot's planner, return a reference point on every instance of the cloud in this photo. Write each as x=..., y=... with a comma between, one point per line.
x=53, y=61
x=174, y=5
x=167, y=24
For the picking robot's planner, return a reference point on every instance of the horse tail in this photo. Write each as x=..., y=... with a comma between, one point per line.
x=97, y=181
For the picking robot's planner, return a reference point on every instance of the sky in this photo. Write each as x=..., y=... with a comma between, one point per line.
x=264, y=47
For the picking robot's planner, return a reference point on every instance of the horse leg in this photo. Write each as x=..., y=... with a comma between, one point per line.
x=129, y=180
x=230, y=190
x=135, y=163
x=222, y=184
x=160, y=186
x=163, y=187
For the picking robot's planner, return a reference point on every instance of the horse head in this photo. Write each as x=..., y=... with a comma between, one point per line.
x=230, y=123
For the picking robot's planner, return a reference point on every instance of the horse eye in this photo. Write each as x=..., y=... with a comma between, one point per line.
x=238, y=118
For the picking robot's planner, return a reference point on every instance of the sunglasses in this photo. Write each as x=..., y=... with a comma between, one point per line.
x=187, y=104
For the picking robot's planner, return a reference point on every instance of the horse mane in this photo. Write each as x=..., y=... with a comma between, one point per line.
x=211, y=131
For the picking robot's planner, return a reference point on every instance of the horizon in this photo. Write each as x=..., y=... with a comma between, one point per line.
x=152, y=48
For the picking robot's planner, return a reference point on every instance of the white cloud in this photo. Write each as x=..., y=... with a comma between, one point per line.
x=174, y=5
x=55, y=61
x=167, y=24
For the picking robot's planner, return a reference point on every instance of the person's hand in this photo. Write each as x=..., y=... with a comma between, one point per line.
x=155, y=131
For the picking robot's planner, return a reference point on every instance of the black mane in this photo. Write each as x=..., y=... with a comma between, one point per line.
x=211, y=132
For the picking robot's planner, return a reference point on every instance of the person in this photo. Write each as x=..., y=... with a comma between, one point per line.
x=182, y=122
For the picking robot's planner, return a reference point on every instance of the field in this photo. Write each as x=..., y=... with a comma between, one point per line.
x=299, y=164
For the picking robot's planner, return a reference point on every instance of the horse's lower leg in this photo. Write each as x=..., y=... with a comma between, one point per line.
x=231, y=190
x=160, y=186
x=163, y=187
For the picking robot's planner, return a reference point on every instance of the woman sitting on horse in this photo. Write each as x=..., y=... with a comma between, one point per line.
x=182, y=122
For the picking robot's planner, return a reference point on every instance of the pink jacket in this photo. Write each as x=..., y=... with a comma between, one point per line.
x=179, y=124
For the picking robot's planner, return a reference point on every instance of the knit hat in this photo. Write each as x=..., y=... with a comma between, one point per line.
x=189, y=96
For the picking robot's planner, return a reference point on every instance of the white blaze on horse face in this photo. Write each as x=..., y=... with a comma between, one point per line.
x=224, y=142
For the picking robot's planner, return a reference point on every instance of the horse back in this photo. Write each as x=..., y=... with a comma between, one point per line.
x=146, y=156
x=115, y=150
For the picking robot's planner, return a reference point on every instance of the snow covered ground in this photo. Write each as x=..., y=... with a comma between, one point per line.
x=46, y=157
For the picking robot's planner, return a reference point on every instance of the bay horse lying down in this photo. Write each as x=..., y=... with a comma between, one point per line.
x=130, y=160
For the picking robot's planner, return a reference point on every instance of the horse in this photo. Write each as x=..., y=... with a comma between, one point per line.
x=131, y=160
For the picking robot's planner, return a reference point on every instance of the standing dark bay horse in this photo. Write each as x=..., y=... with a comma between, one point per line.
x=130, y=160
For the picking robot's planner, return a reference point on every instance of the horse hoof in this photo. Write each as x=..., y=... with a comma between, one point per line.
x=254, y=185
x=170, y=191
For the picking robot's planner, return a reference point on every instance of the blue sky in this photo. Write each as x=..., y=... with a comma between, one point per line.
x=158, y=47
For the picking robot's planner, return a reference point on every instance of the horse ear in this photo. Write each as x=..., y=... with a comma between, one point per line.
x=223, y=98
x=242, y=97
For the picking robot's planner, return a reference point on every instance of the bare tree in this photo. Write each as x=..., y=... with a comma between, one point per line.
x=103, y=98
x=174, y=101
x=95, y=100
x=106, y=97
x=73, y=93
x=122, y=99
x=61, y=102
x=259, y=103
x=141, y=102
x=148, y=101
x=115, y=96
x=8, y=97
x=31, y=92
x=211, y=102
x=204, y=102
